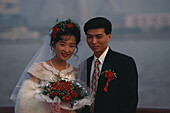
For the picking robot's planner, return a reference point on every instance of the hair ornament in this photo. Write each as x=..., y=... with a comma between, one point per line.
x=63, y=26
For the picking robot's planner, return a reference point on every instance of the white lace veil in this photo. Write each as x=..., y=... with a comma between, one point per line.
x=45, y=53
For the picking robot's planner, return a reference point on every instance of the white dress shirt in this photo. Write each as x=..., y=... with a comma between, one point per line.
x=101, y=59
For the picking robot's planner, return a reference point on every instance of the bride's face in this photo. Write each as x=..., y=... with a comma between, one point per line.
x=64, y=48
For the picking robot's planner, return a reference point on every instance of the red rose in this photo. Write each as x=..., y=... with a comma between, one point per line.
x=55, y=88
x=53, y=35
x=74, y=93
x=55, y=84
x=70, y=25
x=60, y=94
x=56, y=29
x=67, y=98
x=69, y=83
x=67, y=87
x=109, y=74
x=53, y=94
x=60, y=87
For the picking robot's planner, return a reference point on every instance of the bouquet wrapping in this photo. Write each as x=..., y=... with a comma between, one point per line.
x=65, y=94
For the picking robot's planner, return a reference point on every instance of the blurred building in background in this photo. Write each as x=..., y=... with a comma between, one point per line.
x=9, y=14
x=9, y=7
x=12, y=24
x=148, y=22
x=26, y=17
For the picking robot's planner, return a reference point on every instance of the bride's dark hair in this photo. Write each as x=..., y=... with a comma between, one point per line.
x=67, y=27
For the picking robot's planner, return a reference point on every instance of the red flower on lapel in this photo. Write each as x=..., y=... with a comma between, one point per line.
x=111, y=76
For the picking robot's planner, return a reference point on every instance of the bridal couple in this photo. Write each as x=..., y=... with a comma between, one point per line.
x=111, y=76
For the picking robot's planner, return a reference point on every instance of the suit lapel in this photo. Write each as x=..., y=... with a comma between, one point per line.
x=89, y=63
x=102, y=79
x=107, y=60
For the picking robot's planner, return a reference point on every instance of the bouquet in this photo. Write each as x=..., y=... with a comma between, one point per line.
x=67, y=94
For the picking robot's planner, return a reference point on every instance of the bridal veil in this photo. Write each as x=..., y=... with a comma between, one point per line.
x=45, y=53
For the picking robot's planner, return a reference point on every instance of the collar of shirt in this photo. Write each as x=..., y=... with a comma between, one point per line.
x=101, y=59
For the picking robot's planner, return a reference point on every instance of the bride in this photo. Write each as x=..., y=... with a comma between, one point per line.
x=50, y=60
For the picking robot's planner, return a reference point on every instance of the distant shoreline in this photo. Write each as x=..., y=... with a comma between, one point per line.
x=20, y=41
x=123, y=36
x=142, y=35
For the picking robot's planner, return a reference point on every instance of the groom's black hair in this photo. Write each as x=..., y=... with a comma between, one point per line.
x=98, y=22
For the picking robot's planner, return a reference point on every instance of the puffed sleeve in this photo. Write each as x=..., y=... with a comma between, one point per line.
x=37, y=70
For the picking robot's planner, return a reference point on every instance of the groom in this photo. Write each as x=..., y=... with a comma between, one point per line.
x=117, y=81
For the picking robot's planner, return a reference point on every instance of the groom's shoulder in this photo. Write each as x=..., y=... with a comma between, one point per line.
x=90, y=58
x=119, y=55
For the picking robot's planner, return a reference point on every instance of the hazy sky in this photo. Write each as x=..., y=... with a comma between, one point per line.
x=39, y=12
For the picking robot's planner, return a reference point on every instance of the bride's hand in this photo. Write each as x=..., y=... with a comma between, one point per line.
x=56, y=108
x=72, y=112
x=66, y=111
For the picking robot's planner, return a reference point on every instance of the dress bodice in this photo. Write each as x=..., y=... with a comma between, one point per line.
x=46, y=72
x=28, y=100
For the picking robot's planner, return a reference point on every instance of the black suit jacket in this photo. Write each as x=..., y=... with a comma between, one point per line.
x=122, y=94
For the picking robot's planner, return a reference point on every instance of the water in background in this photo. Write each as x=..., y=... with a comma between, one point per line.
x=152, y=58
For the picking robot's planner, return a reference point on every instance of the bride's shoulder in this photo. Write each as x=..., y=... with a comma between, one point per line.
x=37, y=69
x=36, y=66
x=72, y=68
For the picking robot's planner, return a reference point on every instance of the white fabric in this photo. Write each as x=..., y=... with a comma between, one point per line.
x=101, y=59
x=38, y=71
x=26, y=101
x=45, y=53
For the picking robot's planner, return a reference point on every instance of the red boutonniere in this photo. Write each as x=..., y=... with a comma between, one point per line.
x=111, y=75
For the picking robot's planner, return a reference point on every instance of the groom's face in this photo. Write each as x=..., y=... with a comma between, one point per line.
x=98, y=40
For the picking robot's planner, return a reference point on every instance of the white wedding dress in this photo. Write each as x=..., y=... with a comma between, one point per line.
x=26, y=102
